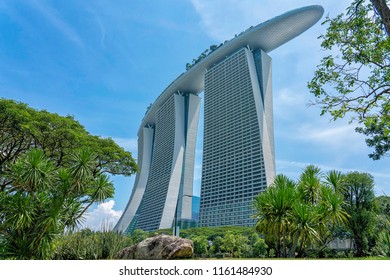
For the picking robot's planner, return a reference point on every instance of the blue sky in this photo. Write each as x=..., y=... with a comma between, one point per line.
x=104, y=62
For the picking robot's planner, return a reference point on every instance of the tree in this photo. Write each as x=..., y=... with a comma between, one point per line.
x=216, y=247
x=309, y=184
x=304, y=220
x=200, y=245
x=139, y=235
x=318, y=210
x=23, y=128
x=274, y=208
x=383, y=11
x=382, y=227
x=298, y=216
x=330, y=210
x=236, y=244
x=356, y=81
x=383, y=203
x=383, y=245
x=44, y=200
x=51, y=171
x=360, y=205
x=229, y=243
x=335, y=180
x=259, y=247
x=242, y=246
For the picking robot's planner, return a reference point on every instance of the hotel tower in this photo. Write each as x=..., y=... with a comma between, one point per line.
x=238, y=147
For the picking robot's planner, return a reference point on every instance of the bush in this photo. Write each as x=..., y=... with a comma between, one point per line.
x=200, y=245
x=139, y=235
x=260, y=248
x=382, y=247
x=89, y=245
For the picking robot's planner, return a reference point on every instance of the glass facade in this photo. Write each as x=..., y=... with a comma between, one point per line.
x=233, y=168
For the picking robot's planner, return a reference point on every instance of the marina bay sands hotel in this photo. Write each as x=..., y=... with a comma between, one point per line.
x=238, y=146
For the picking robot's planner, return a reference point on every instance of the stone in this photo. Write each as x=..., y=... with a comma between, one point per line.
x=159, y=247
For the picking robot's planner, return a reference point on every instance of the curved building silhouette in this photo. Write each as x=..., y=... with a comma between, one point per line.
x=238, y=151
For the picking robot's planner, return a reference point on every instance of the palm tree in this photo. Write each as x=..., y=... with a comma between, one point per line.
x=29, y=212
x=274, y=208
x=82, y=165
x=32, y=172
x=44, y=200
x=305, y=220
x=301, y=214
x=335, y=180
x=309, y=184
x=333, y=203
x=360, y=205
x=100, y=190
x=331, y=215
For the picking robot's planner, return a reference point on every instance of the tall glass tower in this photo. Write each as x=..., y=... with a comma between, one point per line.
x=165, y=180
x=238, y=151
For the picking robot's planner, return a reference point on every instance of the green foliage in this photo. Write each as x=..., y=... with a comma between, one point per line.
x=212, y=232
x=305, y=226
x=274, y=208
x=356, y=79
x=335, y=180
x=259, y=246
x=211, y=49
x=203, y=55
x=383, y=206
x=361, y=207
x=229, y=243
x=216, y=247
x=236, y=245
x=88, y=245
x=309, y=184
x=44, y=200
x=297, y=216
x=200, y=245
x=383, y=203
x=23, y=128
x=51, y=171
x=139, y=235
x=226, y=240
x=383, y=245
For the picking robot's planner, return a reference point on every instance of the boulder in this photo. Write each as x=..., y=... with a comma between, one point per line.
x=158, y=248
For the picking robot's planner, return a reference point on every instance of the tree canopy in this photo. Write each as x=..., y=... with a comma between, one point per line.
x=360, y=198
x=23, y=128
x=355, y=77
x=51, y=171
x=303, y=218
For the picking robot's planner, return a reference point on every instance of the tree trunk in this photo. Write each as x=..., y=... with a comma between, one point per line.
x=359, y=244
x=384, y=12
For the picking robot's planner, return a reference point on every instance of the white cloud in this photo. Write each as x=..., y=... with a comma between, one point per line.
x=296, y=121
x=330, y=135
x=102, y=216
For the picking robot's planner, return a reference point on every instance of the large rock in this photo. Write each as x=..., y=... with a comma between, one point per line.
x=158, y=248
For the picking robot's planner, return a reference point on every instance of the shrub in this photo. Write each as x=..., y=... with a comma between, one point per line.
x=89, y=245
